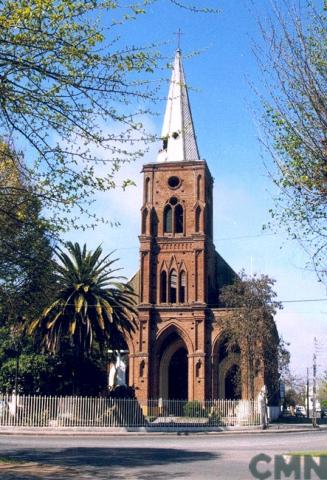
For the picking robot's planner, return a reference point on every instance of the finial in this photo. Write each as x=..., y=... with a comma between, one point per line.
x=179, y=33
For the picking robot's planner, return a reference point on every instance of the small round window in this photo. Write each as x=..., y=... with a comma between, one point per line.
x=174, y=182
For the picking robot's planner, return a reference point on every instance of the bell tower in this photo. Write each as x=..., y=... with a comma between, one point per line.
x=177, y=215
x=179, y=348
x=176, y=238
x=177, y=259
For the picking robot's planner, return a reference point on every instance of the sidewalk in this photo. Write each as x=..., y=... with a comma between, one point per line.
x=102, y=431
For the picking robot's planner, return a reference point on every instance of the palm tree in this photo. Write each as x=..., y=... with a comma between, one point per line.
x=91, y=304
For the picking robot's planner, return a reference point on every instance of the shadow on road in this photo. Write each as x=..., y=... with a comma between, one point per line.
x=100, y=463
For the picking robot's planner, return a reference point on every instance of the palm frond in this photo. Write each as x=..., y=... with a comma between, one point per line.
x=92, y=303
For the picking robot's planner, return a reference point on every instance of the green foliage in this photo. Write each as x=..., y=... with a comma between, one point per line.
x=60, y=76
x=292, y=398
x=91, y=303
x=295, y=393
x=295, y=66
x=34, y=375
x=26, y=251
x=194, y=408
x=51, y=375
x=71, y=90
x=248, y=323
x=46, y=374
x=322, y=391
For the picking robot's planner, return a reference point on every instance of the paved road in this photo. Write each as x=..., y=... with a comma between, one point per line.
x=161, y=457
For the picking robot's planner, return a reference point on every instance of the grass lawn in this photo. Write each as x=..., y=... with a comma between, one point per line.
x=11, y=460
x=309, y=454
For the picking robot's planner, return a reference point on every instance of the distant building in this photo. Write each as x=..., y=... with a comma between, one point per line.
x=179, y=349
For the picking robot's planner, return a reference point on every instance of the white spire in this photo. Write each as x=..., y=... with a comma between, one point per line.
x=179, y=141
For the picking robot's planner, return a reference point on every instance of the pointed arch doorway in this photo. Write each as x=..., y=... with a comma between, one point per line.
x=173, y=368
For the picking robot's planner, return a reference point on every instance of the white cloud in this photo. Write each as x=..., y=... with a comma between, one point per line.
x=118, y=205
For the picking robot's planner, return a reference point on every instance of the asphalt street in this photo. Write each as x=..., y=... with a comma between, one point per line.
x=160, y=457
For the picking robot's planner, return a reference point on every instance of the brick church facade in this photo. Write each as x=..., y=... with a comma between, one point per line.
x=178, y=350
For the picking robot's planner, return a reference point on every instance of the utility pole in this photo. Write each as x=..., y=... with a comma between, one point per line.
x=314, y=387
x=308, y=386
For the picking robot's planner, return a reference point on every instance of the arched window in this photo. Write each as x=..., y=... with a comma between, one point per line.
x=168, y=219
x=173, y=286
x=147, y=190
x=182, y=287
x=144, y=220
x=173, y=217
x=179, y=219
x=197, y=219
x=198, y=187
x=163, y=287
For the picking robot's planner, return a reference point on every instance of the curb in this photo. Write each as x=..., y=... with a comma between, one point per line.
x=112, y=432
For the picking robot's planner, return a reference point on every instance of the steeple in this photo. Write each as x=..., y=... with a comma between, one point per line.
x=178, y=136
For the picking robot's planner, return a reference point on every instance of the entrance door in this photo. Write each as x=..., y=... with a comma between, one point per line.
x=177, y=375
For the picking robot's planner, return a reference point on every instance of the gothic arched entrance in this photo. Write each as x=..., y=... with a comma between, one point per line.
x=232, y=383
x=177, y=375
x=227, y=383
x=173, y=368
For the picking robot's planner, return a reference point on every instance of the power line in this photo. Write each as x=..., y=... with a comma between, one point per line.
x=280, y=301
x=241, y=237
x=303, y=300
x=221, y=239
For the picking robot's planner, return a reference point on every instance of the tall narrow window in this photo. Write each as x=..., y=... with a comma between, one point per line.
x=208, y=217
x=197, y=219
x=182, y=287
x=173, y=286
x=198, y=368
x=142, y=367
x=144, y=220
x=168, y=219
x=198, y=187
x=153, y=223
x=147, y=190
x=179, y=219
x=163, y=287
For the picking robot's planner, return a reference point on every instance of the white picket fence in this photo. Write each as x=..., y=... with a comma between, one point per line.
x=42, y=411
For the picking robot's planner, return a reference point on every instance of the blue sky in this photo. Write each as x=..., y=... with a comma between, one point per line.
x=222, y=102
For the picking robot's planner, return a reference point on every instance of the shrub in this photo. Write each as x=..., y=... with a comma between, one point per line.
x=195, y=408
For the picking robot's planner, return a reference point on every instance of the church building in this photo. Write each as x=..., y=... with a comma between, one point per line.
x=179, y=349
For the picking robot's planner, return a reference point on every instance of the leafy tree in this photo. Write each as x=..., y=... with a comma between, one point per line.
x=294, y=63
x=92, y=305
x=27, y=371
x=25, y=268
x=295, y=390
x=63, y=77
x=284, y=358
x=248, y=323
x=26, y=250
x=291, y=398
x=34, y=375
x=27, y=286
x=322, y=391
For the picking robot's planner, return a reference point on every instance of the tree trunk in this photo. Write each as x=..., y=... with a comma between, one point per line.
x=77, y=371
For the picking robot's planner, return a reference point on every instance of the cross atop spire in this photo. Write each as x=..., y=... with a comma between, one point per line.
x=178, y=136
x=178, y=34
